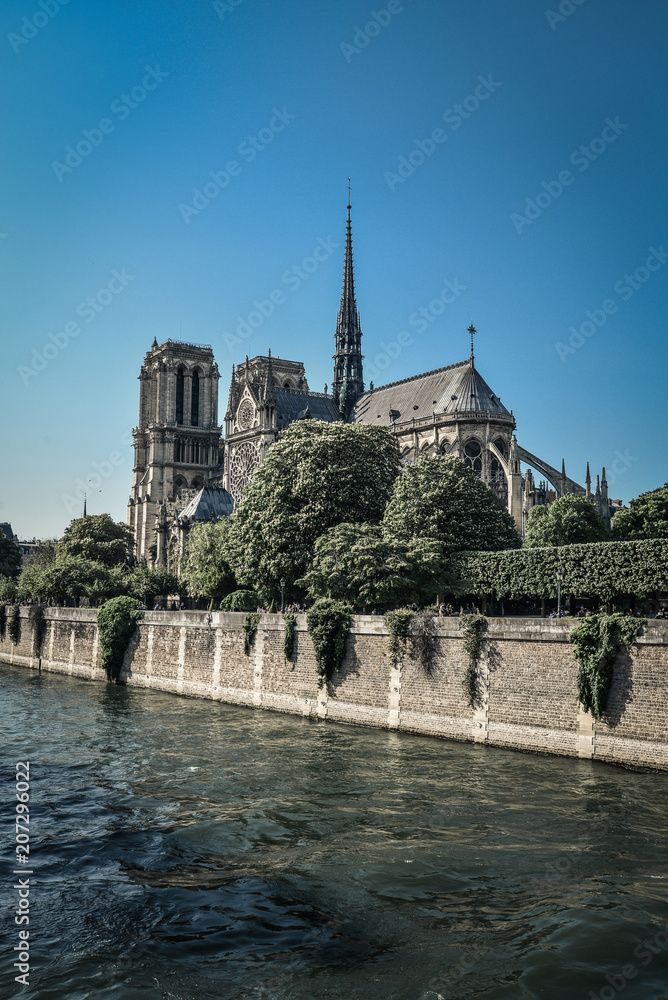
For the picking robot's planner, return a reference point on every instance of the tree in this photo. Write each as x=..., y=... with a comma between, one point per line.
x=148, y=582
x=10, y=557
x=7, y=588
x=97, y=538
x=570, y=520
x=358, y=564
x=645, y=517
x=316, y=476
x=440, y=500
x=205, y=566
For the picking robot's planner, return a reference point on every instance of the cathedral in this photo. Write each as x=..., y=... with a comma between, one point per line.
x=184, y=471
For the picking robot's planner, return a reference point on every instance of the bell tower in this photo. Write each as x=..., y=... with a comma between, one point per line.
x=177, y=439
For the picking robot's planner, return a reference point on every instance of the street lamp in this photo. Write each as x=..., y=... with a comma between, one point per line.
x=560, y=577
x=282, y=585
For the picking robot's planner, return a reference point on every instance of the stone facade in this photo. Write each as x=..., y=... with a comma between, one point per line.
x=527, y=679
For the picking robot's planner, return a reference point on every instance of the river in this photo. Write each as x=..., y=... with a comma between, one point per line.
x=184, y=850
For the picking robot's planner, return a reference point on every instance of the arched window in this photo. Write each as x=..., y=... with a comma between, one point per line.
x=194, y=400
x=444, y=447
x=472, y=456
x=179, y=455
x=501, y=446
x=497, y=474
x=197, y=483
x=180, y=377
x=179, y=484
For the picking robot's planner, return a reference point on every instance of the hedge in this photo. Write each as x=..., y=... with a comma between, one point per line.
x=597, y=569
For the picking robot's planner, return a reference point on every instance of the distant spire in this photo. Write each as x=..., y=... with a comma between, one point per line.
x=598, y=488
x=269, y=380
x=588, y=483
x=348, y=337
x=84, y=510
x=563, y=478
x=472, y=330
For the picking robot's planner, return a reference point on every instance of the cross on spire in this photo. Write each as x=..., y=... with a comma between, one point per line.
x=472, y=330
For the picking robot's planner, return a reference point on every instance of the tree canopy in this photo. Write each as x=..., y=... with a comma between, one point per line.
x=645, y=517
x=10, y=556
x=205, y=568
x=97, y=538
x=570, y=520
x=316, y=476
x=441, y=500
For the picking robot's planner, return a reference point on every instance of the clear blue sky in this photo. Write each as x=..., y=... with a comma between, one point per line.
x=301, y=95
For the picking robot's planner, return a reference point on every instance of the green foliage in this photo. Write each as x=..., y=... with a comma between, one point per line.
x=205, y=567
x=3, y=620
x=116, y=622
x=240, y=600
x=398, y=625
x=645, y=517
x=148, y=582
x=423, y=639
x=473, y=627
x=316, y=476
x=601, y=569
x=289, y=635
x=8, y=589
x=328, y=623
x=570, y=520
x=597, y=640
x=10, y=557
x=442, y=500
x=97, y=538
x=37, y=620
x=250, y=628
x=14, y=626
x=358, y=564
x=74, y=577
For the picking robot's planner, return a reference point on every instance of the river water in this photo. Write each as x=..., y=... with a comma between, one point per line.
x=183, y=850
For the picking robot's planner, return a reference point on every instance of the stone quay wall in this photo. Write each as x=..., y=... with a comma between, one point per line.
x=527, y=678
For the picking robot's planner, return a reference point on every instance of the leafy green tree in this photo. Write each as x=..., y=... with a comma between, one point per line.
x=316, y=476
x=7, y=588
x=148, y=582
x=570, y=520
x=645, y=517
x=205, y=566
x=358, y=564
x=97, y=538
x=441, y=500
x=10, y=557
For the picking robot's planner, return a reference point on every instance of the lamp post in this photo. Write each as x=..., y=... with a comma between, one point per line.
x=282, y=585
x=560, y=577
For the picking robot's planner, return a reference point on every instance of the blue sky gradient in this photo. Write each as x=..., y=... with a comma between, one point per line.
x=300, y=96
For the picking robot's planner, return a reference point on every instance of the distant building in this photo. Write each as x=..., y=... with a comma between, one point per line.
x=447, y=411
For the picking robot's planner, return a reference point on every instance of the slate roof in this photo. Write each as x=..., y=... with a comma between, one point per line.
x=211, y=502
x=6, y=529
x=455, y=388
x=294, y=405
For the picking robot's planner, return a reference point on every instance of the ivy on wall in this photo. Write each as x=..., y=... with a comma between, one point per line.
x=473, y=627
x=423, y=639
x=328, y=623
x=251, y=623
x=36, y=616
x=116, y=622
x=14, y=626
x=289, y=635
x=3, y=620
x=398, y=624
x=597, y=640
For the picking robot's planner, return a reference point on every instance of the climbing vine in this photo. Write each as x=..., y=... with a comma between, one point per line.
x=250, y=628
x=423, y=639
x=289, y=635
x=3, y=620
x=398, y=629
x=328, y=623
x=597, y=640
x=473, y=627
x=36, y=616
x=14, y=626
x=116, y=622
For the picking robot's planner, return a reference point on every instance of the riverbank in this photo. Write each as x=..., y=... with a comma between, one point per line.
x=527, y=678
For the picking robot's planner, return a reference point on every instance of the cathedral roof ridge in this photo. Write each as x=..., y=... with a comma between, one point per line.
x=184, y=343
x=413, y=378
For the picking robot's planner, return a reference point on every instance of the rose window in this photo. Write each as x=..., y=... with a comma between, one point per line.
x=244, y=463
x=245, y=415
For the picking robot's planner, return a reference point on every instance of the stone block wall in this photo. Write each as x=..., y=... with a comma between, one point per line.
x=526, y=678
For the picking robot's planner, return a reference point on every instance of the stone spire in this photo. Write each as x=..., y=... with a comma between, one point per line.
x=348, y=338
x=588, y=483
x=269, y=381
x=604, y=485
x=562, y=484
